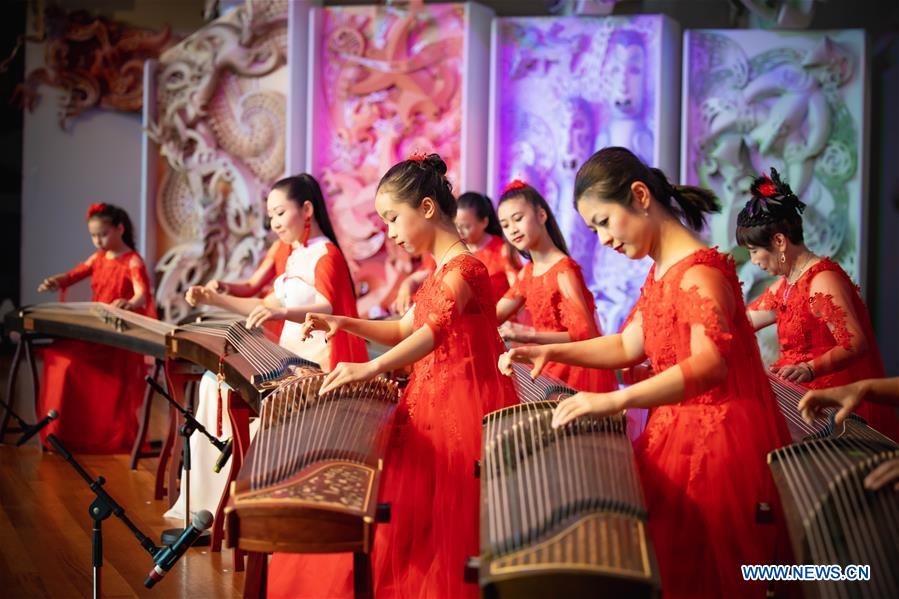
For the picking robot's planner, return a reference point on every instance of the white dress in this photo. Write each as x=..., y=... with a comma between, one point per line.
x=294, y=288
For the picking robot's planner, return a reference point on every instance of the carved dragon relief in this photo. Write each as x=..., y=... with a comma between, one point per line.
x=221, y=133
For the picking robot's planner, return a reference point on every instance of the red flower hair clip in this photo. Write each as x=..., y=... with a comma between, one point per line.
x=95, y=209
x=418, y=156
x=515, y=185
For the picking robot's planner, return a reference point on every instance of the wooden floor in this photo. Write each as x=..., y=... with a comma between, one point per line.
x=45, y=532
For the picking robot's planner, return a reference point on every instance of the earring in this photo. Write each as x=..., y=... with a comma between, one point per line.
x=646, y=213
x=306, y=228
x=783, y=258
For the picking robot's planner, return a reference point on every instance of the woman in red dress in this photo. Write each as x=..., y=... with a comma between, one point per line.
x=95, y=388
x=480, y=230
x=550, y=287
x=702, y=457
x=823, y=328
x=448, y=335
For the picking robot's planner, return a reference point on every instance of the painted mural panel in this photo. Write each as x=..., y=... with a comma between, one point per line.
x=566, y=87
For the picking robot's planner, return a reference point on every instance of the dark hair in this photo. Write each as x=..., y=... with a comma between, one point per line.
x=772, y=209
x=304, y=188
x=610, y=172
x=483, y=208
x=416, y=178
x=537, y=201
x=116, y=216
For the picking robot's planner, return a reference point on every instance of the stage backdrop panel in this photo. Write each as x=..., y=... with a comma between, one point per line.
x=218, y=124
x=564, y=87
x=796, y=101
x=386, y=82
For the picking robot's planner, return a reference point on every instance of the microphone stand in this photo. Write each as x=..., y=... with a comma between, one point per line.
x=101, y=508
x=191, y=424
x=23, y=426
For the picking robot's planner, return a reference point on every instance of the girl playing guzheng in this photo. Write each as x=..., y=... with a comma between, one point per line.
x=95, y=388
x=550, y=287
x=316, y=278
x=823, y=328
x=450, y=336
x=713, y=418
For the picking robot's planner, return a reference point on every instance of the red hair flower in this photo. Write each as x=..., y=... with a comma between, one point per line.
x=514, y=185
x=95, y=209
x=418, y=156
x=767, y=188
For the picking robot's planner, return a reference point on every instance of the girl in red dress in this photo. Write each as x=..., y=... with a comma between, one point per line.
x=823, y=328
x=550, y=287
x=702, y=457
x=449, y=335
x=95, y=388
x=480, y=230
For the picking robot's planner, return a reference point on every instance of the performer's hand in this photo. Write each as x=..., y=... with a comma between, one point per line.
x=883, y=475
x=847, y=398
x=217, y=286
x=121, y=303
x=534, y=355
x=403, y=300
x=796, y=373
x=49, y=284
x=513, y=331
x=261, y=313
x=348, y=372
x=199, y=295
x=599, y=404
x=328, y=323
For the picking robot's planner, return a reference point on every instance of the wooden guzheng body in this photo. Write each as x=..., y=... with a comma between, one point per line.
x=95, y=322
x=562, y=511
x=831, y=517
x=309, y=483
x=250, y=362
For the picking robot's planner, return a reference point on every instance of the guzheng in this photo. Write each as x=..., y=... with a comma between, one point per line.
x=309, y=482
x=831, y=517
x=562, y=510
x=95, y=322
x=249, y=361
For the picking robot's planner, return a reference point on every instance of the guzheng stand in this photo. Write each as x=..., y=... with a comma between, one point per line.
x=23, y=350
x=101, y=508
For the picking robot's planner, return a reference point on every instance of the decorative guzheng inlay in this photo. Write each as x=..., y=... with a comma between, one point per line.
x=562, y=510
x=309, y=482
x=831, y=517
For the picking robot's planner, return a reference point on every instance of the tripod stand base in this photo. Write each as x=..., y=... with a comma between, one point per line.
x=170, y=535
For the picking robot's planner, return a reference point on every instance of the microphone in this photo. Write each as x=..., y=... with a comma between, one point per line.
x=166, y=558
x=225, y=455
x=35, y=429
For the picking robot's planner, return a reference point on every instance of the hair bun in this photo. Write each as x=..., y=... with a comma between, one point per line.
x=436, y=162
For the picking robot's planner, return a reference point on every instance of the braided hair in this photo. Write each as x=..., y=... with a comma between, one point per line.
x=772, y=209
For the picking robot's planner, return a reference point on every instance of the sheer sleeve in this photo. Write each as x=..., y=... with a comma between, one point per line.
x=447, y=301
x=140, y=280
x=518, y=289
x=767, y=301
x=706, y=304
x=830, y=300
x=80, y=272
x=577, y=312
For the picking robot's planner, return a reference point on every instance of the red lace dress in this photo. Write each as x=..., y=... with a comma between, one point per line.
x=495, y=256
x=428, y=477
x=558, y=300
x=97, y=389
x=702, y=460
x=823, y=320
